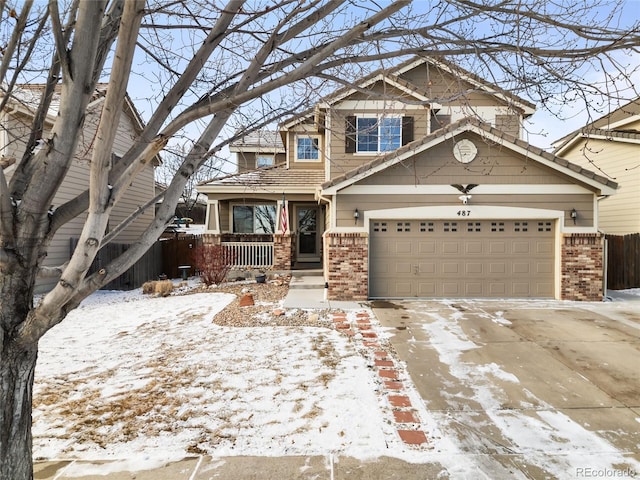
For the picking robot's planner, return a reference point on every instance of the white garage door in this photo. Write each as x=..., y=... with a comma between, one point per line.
x=474, y=259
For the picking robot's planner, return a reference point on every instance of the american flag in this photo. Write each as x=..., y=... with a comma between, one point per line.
x=285, y=217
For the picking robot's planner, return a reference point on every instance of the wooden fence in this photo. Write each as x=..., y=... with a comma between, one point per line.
x=149, y=267
x=623, y=261
x=178, y=251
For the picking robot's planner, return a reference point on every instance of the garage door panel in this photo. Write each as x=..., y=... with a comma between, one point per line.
x=403, y=289
x=451, y=247
x=521, y=248
x=520, y=268
x=497, y=247
x=521, y=289
x=451, y=268
x=403, y=268
x=427, y=268
x=426, y=248
x=404, y=248
x=544, y=248
x=427, y=289
x=473, y=248
x=497, y=267
x=473, y=289
x=474, y=268
x=451, y=289
x=501, y=258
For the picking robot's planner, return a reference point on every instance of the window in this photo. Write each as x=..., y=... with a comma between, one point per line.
x=264, y=161
x=307, y=149
x=378, y=134
x=254, y=218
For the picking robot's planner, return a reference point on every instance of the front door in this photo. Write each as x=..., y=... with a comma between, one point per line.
x=308, y=244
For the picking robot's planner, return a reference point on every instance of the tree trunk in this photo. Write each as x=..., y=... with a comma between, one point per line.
x=17, y=366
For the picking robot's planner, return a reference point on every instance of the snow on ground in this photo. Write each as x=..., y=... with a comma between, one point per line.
x=128, y=376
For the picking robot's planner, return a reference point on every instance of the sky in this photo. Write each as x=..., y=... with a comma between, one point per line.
x=540, y=130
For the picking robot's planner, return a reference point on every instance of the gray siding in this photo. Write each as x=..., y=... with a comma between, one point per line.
x=139, y=192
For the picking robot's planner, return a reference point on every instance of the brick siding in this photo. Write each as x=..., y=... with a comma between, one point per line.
x=347, y=265
x=582, y=267
x=282, y=251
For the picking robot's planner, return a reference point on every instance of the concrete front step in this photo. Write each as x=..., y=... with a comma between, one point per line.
x=307, y=282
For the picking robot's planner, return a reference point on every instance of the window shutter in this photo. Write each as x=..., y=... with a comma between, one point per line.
x=407, y=130
x=350, y=135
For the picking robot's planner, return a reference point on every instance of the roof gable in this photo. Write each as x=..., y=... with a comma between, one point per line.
x=394, y=77
x=616, y=126
x=478, y=83
x=533, y=154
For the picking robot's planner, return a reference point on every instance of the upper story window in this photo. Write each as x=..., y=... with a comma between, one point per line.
x=307, y=148
x=265, y=161
x=377, y=133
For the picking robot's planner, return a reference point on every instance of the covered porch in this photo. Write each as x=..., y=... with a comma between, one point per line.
x=268, y=233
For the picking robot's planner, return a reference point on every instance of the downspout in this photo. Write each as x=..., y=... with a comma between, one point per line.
x=320, y=198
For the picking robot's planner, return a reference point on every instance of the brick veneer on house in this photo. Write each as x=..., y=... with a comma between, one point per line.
x=282, y=251
x=582, y=267
x=347, y=265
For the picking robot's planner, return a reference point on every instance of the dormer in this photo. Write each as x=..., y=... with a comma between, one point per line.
x=259, y=149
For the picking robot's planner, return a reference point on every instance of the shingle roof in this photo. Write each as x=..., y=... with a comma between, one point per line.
x=270, y=178
x=260, y=139
x=450, y=129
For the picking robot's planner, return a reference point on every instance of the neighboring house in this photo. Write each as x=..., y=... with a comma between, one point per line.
x=398, y=197
x=15, y=125
x=611, y=147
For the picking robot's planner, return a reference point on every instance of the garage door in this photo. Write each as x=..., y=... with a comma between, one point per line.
x=488, y=258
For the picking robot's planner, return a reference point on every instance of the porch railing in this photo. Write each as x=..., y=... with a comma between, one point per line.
x=251, y=255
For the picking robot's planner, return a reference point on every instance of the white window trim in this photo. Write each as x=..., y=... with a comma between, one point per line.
x=378, y=116
x=308, y=160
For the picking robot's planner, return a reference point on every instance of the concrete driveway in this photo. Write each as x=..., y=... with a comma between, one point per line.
x=525, y=389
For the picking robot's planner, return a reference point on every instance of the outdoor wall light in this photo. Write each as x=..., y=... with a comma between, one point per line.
x=574, y=215
x=356, y=215
x=465, y=198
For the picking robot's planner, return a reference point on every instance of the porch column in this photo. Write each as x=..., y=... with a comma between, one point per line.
x=282, y=251
x=347, y=265
x=211, y=238
x=582, y=267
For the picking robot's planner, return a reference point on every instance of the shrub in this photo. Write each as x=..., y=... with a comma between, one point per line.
x=149, y=287
x=164, y=287
x=213, y=262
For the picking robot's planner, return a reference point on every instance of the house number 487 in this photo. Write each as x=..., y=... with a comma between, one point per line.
x=464, y=213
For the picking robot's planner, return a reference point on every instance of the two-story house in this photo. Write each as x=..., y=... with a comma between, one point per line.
x=15, y=126
x=610, y=145
x=415, y=183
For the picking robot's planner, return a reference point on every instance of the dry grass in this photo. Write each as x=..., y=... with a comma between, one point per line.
x=162, y=288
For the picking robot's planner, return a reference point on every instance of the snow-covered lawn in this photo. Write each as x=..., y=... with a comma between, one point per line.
x=127, y=375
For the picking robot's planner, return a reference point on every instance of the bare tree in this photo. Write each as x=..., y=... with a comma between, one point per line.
x=171, y=162
x=208, y=72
